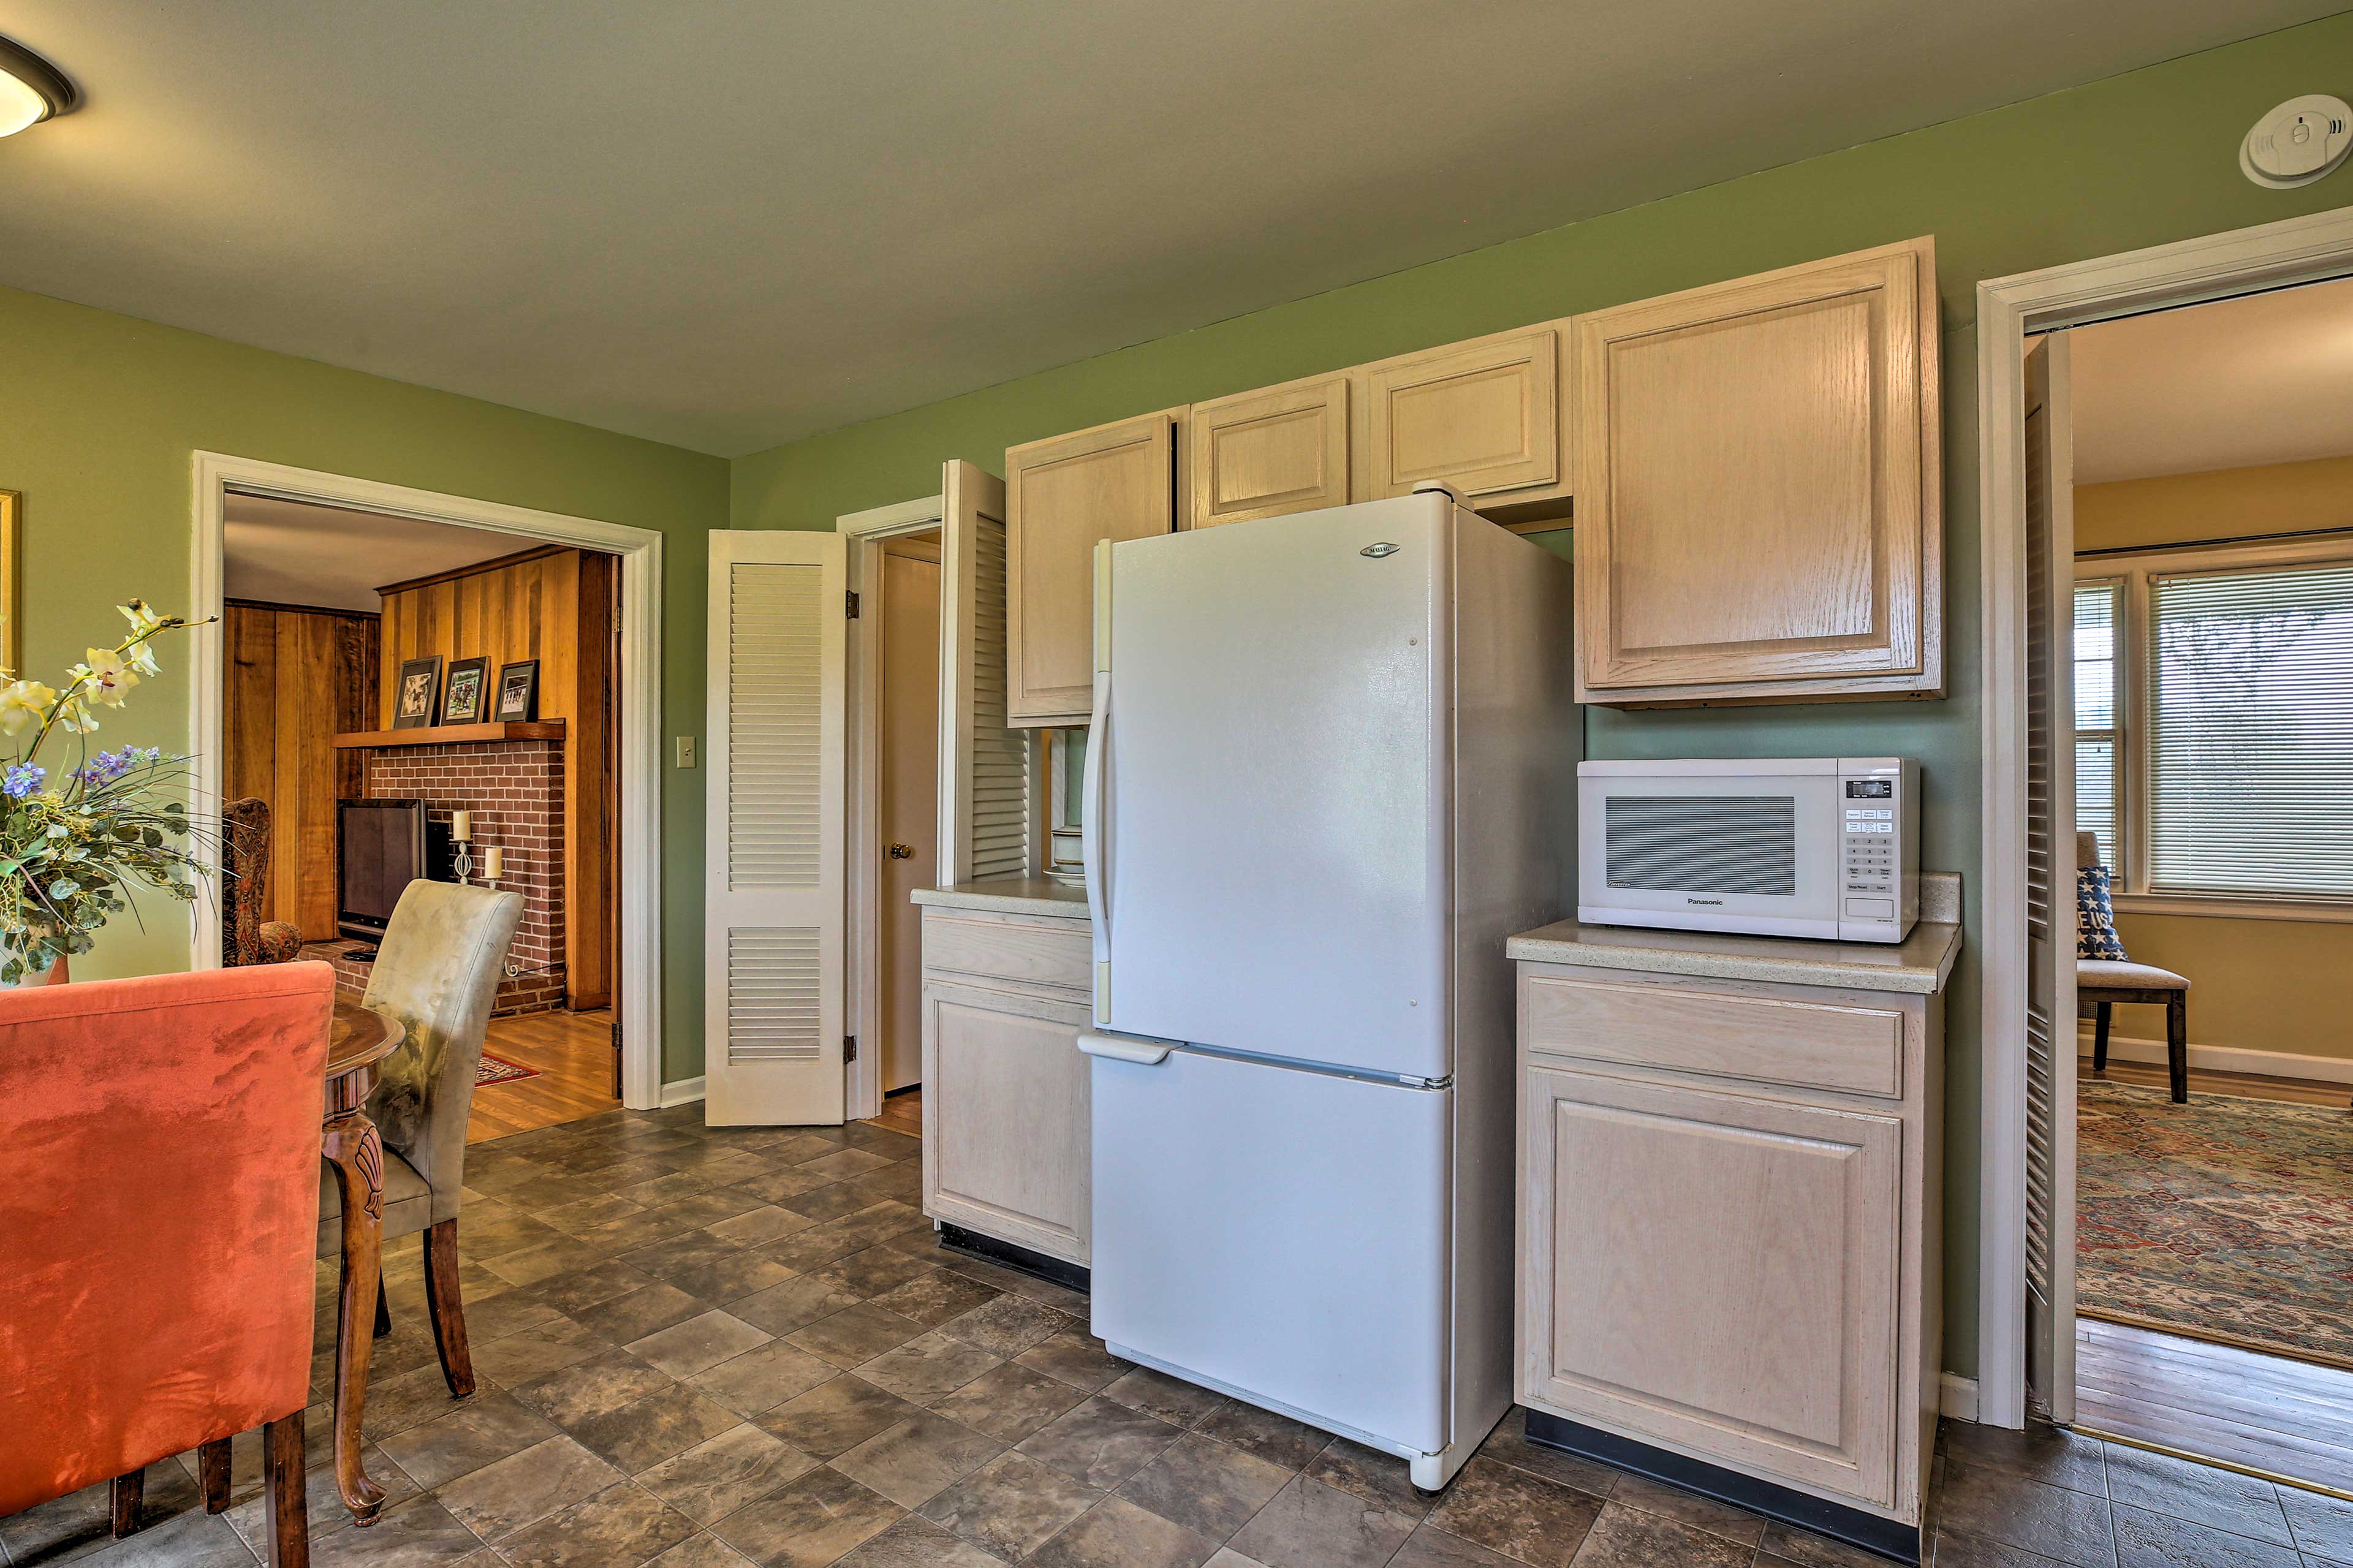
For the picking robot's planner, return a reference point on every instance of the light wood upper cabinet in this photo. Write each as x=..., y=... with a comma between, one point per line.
x=1062, y=495
x=1757, y=508
x=1262, y=453
x=1486, y=415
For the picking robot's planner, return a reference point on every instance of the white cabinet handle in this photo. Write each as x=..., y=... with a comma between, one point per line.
x=1118, y=1050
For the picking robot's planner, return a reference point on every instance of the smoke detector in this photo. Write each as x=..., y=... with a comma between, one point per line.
x=2302, y=141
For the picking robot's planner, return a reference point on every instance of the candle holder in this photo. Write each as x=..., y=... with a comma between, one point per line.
x=461, y=834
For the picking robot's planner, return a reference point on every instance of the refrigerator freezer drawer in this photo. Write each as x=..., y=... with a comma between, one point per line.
x=1280, y=1231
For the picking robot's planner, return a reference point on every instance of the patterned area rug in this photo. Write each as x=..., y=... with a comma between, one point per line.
x=497, y=1070
x=2232, y=1219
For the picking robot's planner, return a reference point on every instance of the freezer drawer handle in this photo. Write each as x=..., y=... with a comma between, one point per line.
x=1123, y=1050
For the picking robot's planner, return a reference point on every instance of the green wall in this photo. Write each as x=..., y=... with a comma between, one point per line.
x=99, y=415
x=2138, y=160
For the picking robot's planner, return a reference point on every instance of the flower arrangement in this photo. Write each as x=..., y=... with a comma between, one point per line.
x=72, y=850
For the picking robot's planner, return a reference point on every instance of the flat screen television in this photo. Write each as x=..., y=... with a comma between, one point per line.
x=380, y=847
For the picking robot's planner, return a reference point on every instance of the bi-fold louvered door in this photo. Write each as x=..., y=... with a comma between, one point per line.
x=2050, y=884
x=774, y=909
x=984, y=764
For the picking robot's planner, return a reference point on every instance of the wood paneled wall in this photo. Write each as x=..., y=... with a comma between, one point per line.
x=298, y=677
x=559, y=606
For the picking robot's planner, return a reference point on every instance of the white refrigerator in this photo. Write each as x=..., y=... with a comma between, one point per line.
x=1331, y=767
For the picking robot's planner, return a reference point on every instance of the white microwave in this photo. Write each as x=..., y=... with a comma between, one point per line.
x=1819, y=846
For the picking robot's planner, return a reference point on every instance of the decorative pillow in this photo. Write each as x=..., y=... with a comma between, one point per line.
x=2096, y=915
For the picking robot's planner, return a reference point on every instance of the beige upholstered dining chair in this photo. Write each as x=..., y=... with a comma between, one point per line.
x=2102, y=983
x=436, y=972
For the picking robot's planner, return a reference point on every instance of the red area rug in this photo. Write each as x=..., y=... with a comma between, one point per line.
x=2229, y=1218
x=497, y=1070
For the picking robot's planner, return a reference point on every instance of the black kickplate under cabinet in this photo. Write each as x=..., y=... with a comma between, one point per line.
x=1052, y=1270
x=1898, y=1542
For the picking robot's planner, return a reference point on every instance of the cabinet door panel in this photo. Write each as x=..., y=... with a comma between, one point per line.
x=1062, y=497
x=1263, y=454
x=1482, y=416
x=1006, y=1110
x=1758, y=503
x=1716, y=1272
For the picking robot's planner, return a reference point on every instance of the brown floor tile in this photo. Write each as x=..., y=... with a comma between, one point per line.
x=835, y=1416
x=2201, y=1493
x=873, y=1271
x=1431, y=1547
x=2042, y=1453
x=532, y=1352
x=418, y=1534
x=1624, y=1536
x=1277, y=1440
x=523, y=1488
x=1735, y=1524
x=764, y=1378
x=2146, y=1539
x=1521, y=1515
x=620, y=1527
x=1509, y=1443
x=1786, y=1543
x=1011, y=1326
x=812, y=1522
x=1012, y=1505
x=855, y=1334
x=713, y=1478
x=915, y=1543
x=1100, y=1444
x=761, y=1224
x=794, y=1304
x=1310, y=1525
x=821, y=1198
x=928, y=1368
x=587, y=1389
x=703, y=1551
x=686, y=1251
x=1174, y=1401
x=2012, y=1509
x=934, y=1296
x=726, y=1279
x=642, y=1312
x=698, y=1344
x=1205, y=1485
x=1965, y=1552
x=412, y=1398
x=478, y=1433
x=644, y=1432
x=1115, y=1533
x=1378, y=1478
x=572, y=1292
x=1008, y=1402
x=1076, y=1357
x=915, y=1461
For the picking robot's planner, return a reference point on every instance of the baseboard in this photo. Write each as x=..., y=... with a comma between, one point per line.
x=1956, y=1397
x=684, y=1091
x=2224, y=1058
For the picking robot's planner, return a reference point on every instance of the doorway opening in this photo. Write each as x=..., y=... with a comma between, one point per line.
x=527, y=762
x=2185, y=858
x=906, y=602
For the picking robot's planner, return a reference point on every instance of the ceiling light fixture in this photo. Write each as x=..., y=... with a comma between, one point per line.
x=31, y=90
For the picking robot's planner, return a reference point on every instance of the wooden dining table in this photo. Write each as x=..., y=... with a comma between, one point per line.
x=358, y=1041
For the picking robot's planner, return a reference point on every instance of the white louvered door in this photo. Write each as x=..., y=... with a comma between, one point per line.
x=984, y=765
x=2050, y=883
x=774, y=921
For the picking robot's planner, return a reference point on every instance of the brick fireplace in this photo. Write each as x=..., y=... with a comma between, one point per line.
x=515, y=790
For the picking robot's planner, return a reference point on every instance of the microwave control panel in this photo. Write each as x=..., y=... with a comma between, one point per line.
x=1875, y=852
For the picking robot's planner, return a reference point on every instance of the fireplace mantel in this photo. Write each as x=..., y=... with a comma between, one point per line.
x=451, y=735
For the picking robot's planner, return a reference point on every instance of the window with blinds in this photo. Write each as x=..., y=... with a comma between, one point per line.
x=2097, y=729
x=2249, y=732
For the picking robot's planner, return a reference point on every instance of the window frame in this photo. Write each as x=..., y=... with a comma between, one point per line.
x=2136, y=631
x=2121, y=728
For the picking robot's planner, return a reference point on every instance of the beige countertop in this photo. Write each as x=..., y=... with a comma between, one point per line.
x=1010, y=896
x=1919, y=966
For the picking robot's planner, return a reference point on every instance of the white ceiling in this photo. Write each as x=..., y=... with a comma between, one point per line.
x=291, y=552
x=2234, y=384
x=729, y=223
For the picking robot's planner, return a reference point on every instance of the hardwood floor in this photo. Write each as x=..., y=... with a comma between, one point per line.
x=2261, y=1413
x=573, y=1054
x=903, y=1112
x=2246, y=1085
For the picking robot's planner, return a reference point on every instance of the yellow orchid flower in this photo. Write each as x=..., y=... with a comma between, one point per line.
x=108, y=676
x=145, y=622
x=23, y=703
x=74, y=716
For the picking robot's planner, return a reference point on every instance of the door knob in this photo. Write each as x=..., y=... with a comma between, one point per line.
x=903, y=852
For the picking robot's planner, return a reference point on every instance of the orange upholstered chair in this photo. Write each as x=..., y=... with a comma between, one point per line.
x=159, y=1210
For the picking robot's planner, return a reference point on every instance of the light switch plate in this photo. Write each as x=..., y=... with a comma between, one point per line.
x=686, y=751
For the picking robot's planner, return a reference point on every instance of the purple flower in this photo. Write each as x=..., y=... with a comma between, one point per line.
x=22, y=779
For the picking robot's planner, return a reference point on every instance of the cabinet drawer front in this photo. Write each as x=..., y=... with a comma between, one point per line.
x=1484, y=415
x=1056, y=955
x=1266, y=453
x=1808, y=1045
x=1716, y=1272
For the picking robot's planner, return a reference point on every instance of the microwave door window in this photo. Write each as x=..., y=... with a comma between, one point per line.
x=1736, y=845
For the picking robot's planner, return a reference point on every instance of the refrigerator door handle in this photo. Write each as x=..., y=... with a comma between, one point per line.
x=1091, y=837
x=1135, y=1051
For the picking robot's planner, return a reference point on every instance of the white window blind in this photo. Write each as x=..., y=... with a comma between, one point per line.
x=2251, y=732
x=2096, y=716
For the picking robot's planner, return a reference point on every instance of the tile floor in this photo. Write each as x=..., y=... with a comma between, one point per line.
x=698, y=1348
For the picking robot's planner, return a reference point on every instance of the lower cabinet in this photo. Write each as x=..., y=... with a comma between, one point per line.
x=1728, y=1235
x=1006, y=1089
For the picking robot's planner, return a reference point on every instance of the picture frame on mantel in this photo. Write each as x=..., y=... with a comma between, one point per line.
x=462, y=693
x=518, y=692
x=414, y=697
x=12, y=636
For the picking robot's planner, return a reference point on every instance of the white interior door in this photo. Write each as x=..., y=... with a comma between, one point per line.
x=775, y=927
x=2050, y=883
x=984, y=763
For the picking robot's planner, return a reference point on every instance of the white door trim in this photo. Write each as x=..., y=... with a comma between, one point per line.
x=2242, y=261
x=866, y=532
x=639, y=946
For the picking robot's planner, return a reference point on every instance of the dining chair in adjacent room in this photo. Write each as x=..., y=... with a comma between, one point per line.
x=159, y=1153
x=246, y=937
x=436, y=972
x=2105, y=976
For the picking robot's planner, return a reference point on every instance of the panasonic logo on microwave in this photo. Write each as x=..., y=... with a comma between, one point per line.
x=1718, y=902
